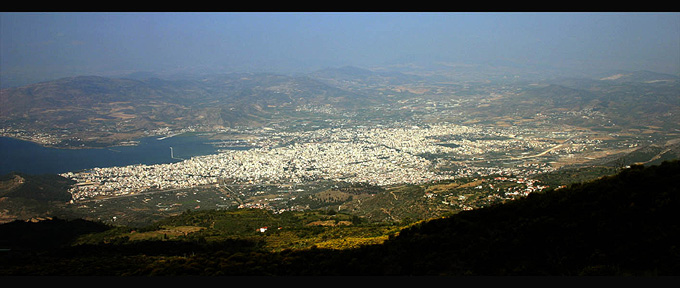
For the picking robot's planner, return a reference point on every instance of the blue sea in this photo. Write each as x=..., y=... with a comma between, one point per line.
x=31, y=158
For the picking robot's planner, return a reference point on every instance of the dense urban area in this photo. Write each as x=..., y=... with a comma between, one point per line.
x=285, y=144
x=377, y=156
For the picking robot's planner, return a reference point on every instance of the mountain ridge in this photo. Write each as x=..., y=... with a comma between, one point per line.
x=96, y=107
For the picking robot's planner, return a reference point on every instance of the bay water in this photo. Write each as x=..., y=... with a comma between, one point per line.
x=31, y=158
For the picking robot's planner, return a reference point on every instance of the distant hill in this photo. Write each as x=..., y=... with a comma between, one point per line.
x=119, y=109
x=354, y=77
x=640, y=77
x=88, y=92
x=557, y=96
x=624, y=99
x=111, y=110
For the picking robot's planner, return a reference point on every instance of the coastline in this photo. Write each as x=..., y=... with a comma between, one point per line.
x=22, y=155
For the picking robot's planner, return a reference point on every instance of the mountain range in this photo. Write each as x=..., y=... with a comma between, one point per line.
x=120, y=105
x=118, y=109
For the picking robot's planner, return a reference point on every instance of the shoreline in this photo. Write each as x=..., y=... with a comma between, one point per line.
x=22, y=155
x=68, y=147
x=131, y=142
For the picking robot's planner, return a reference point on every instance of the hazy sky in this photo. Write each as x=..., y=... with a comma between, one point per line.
x=45, y=46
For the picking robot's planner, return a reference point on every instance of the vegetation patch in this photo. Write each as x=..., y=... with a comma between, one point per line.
x=168, y=232
x=441, y=187
x=331, y=196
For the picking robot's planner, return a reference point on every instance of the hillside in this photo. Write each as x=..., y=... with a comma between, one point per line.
x=620, y=225
x=111, y=110
x=624, y=224
x=93, y=111
x=618, y=101
x=39, y=187
x=24, y=196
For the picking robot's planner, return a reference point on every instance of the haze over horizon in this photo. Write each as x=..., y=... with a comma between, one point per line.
x=46, y=46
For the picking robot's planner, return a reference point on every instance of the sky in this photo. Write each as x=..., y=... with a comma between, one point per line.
x=45, y=46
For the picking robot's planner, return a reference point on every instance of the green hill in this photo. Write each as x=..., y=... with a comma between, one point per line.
x=39, y=187
x=624, y=224
x=24, y=196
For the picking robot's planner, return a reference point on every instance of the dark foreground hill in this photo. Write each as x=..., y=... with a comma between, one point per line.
x=626, y=224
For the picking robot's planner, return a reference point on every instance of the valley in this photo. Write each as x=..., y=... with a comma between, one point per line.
x=338, y=144
x=299, y=138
